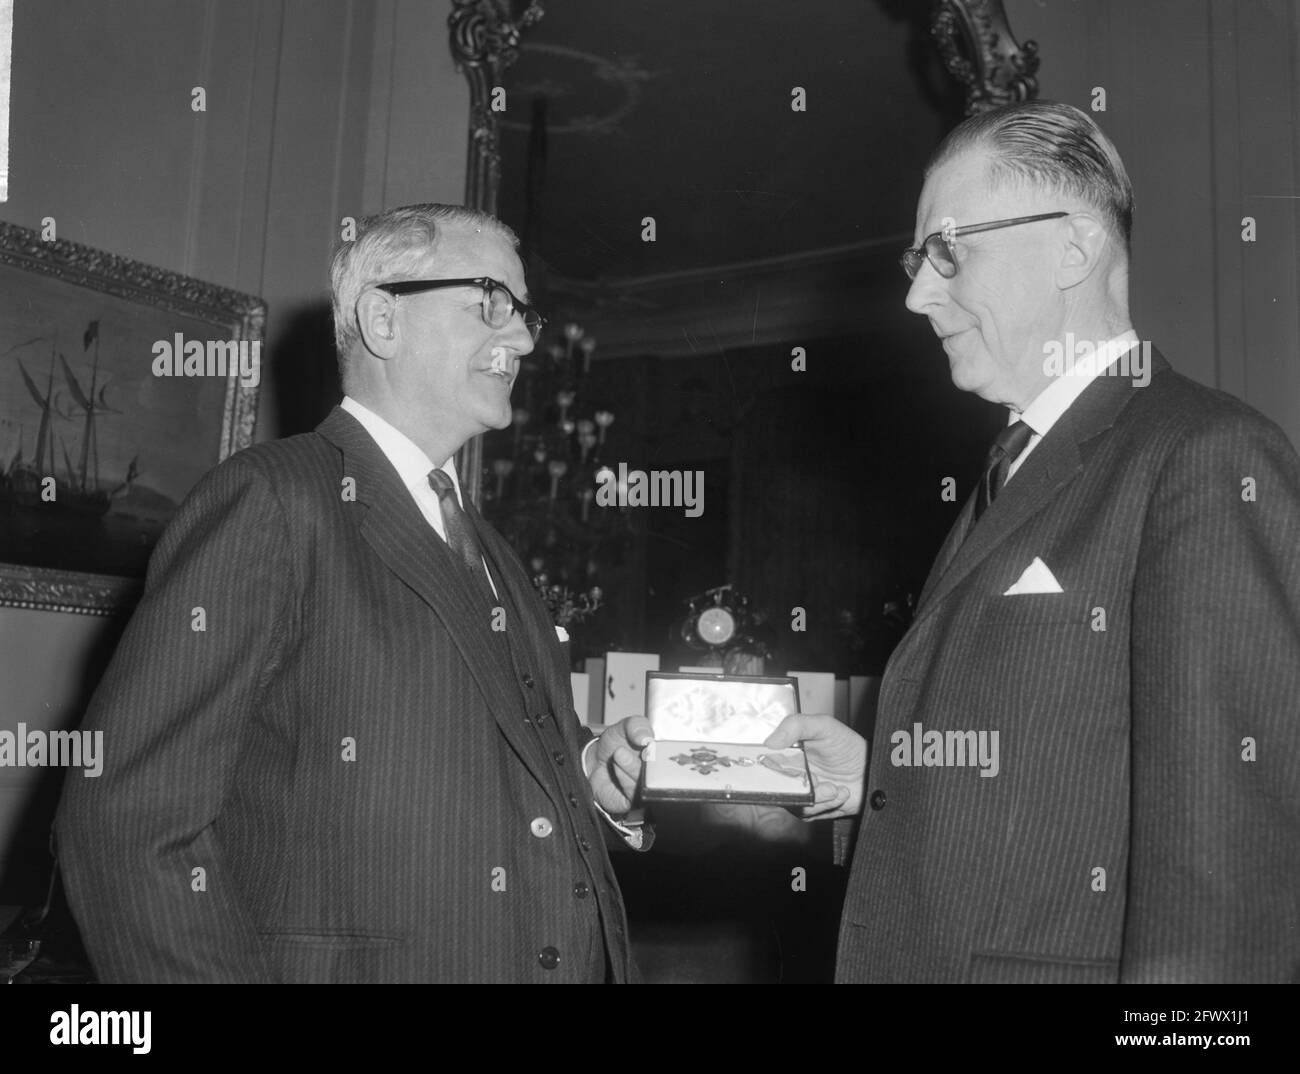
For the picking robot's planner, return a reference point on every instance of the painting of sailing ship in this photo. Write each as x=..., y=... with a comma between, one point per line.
x=96, y=452
x=83, y=493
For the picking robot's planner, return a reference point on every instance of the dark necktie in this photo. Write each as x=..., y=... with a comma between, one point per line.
x=1006, y=449
x=461, y=538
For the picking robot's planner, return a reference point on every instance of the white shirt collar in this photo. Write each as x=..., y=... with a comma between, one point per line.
x=411, y=463
x=1056, y=398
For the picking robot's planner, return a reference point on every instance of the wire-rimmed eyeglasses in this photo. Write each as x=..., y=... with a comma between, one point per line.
x=938, y=250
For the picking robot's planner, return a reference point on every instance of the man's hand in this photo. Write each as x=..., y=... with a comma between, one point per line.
x=837, y=757
x=615, y=763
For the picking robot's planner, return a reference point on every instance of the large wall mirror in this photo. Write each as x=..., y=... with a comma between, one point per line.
x=711, y=207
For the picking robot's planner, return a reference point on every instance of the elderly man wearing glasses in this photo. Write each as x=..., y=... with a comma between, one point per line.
x=341, y=744
x=1113, y=621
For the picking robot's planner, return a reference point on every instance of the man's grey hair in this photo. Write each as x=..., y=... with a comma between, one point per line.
x=397, y=244
x=1054, y=146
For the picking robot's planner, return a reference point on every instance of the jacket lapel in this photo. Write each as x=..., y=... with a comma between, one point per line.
x=401, y=537
x=949, y=549
x=1055, y=462
x=538, y=630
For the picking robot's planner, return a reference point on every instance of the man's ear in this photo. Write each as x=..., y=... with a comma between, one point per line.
x=1086, y=239
x=376, y=322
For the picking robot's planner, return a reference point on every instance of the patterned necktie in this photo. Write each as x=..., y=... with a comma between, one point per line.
x=461, y=538
x=1006, y=449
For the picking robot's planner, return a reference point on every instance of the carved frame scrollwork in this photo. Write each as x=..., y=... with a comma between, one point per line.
x=982, y=54
x=484, y=42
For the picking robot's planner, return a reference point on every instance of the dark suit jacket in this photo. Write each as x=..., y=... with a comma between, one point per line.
x=460, y=843
x=1126, y=749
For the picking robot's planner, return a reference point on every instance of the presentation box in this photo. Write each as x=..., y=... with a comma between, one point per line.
x=709, y=732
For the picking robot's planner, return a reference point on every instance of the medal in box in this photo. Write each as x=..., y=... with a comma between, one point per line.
x=709, y=732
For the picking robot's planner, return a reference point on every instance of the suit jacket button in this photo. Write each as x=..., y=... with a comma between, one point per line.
x=528, y=681
x=549, y=958
x=573, y=800
x=541, y=827
x=559, y=756
x=878, y=800
x=582, y=842
x=541, y=718
x=581, y=890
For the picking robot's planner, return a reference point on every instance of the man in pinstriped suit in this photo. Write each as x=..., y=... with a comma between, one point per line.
x=1113, y=622
x=339, y=735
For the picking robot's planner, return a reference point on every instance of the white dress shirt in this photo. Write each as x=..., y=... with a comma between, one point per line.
x=1054, y=400
x=413, y=466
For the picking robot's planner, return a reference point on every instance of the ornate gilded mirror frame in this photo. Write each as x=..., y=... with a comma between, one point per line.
x=484, y=42
x=982, y=54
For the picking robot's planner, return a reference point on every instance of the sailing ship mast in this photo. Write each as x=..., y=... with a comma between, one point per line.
x=45, y=432
x=88, y=441
x=81, y=493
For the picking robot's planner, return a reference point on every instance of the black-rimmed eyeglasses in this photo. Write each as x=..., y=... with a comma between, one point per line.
x=499, y=303
x=938, y=249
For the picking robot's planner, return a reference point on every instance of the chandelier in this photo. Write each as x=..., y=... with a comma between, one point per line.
x=540, y=479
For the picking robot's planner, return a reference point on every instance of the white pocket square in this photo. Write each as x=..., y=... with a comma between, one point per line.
x=1036, y=579
x=562, y=634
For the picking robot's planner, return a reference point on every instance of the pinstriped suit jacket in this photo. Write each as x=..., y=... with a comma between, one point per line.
x=333, y=627
x=1130, y=834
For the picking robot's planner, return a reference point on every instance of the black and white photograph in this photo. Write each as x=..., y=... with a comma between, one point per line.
x=651, y=492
